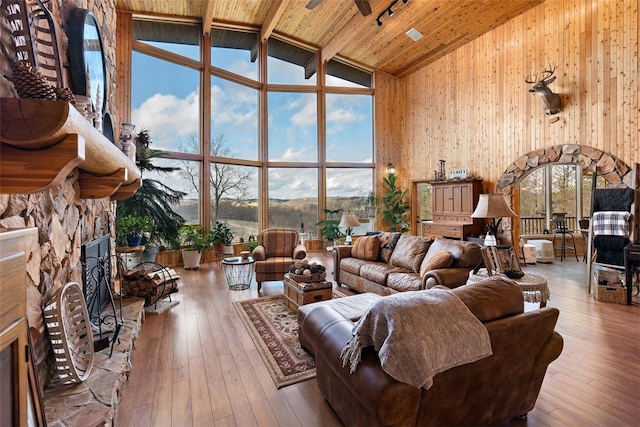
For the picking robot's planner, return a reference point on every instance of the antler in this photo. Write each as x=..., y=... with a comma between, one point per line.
x=533, y=78
x=530, y=80
x=548, y=73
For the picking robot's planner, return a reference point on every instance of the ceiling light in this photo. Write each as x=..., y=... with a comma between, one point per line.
x=388, y=11
x=414, y=34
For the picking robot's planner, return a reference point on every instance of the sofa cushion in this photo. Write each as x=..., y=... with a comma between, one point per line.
x=441, y=259
x=366, y=248
x=403, y=282
x=377, y=272
x=352, y=265
x=388, y=243
x=409, y=252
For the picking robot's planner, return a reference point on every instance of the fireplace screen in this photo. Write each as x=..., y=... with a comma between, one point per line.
x=99, y=291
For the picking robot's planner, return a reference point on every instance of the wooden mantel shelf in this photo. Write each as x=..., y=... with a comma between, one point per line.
x=42, y=141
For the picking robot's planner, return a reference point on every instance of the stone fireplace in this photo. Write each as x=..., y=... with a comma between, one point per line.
x=68, y=217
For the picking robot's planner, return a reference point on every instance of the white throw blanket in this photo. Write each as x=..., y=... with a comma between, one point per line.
x=417, y=335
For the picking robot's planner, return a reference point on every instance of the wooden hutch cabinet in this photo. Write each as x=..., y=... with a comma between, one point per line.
x=453, y=203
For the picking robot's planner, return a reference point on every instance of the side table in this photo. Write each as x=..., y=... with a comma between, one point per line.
x=534, y=288
x=238, y=271
x=301, y=293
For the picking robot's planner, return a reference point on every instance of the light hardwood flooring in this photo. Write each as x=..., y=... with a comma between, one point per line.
x=196, y=365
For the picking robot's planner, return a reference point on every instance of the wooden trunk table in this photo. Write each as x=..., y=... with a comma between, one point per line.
x=301, y=293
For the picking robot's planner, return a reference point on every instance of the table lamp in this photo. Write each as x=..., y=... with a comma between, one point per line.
x=492, y=206
x=348, y=221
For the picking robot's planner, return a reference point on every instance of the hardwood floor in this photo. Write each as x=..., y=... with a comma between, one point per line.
x=196, y=365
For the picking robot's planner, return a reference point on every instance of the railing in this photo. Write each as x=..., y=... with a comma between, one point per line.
x=537, y=225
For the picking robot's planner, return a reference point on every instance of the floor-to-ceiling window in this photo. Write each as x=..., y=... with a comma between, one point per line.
x=264, y=134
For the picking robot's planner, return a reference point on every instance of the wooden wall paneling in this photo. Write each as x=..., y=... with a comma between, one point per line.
x=124, y=36
x=472, y=107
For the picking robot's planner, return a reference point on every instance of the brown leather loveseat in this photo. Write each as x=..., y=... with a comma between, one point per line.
x=489, y=391
x=394, y=262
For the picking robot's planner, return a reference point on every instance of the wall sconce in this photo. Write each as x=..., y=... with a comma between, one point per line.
x=388, y=11
x=391, y=170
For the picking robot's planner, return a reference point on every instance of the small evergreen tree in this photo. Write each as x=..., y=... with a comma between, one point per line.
x=154, y=199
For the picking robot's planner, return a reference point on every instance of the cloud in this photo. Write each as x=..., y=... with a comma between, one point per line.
x=168, y=119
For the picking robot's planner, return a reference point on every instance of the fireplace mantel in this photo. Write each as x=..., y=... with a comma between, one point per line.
x=42, y=141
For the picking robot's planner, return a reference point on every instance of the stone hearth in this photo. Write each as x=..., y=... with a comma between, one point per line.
x=95, y=401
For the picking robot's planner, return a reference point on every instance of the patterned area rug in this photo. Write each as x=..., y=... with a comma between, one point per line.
x=274, y=330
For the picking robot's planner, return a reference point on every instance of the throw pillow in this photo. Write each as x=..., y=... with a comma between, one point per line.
x=388, y=243
x=366, y=248
x=409, y=252
x=441, y=259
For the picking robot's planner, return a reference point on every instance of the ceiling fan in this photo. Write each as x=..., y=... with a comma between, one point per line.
x=363, y=6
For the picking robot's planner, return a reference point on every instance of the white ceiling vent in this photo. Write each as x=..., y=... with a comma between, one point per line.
x=414, y=34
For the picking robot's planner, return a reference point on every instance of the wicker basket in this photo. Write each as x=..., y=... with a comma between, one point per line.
x=67, y=321
x=318, y=277
x=608, y=286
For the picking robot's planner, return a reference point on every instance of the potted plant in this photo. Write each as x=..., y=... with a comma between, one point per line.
x=221, y=237
x=132, y=228
x=329, y=226
x=395, y=207
x=154, y=199
x=194, y=243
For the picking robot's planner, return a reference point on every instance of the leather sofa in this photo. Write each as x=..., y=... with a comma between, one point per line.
x=394, y=262
x=490, y=391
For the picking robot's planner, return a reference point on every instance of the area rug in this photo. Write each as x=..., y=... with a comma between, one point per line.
x=274, y=330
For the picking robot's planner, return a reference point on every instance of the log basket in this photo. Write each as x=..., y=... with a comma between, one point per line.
x=151, y=281
x=67, y=321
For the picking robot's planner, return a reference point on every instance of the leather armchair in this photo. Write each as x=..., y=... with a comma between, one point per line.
x=278, y=249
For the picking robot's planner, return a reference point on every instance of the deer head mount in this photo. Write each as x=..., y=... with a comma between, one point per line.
x=552, y=101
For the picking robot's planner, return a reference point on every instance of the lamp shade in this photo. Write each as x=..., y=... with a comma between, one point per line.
x=349, y=220
x=492, y=205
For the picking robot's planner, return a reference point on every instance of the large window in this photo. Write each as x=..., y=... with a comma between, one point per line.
x=556, y=188
x=270, y=150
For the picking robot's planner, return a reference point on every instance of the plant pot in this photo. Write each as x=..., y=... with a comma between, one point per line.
x=218, y=248
x=149, y=254
x=133, y=240
x=191, y=259
x=228, y=250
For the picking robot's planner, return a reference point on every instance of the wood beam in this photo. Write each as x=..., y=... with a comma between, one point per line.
x=207, y=16
x=272, y=18
x=353, y=28
x=29, y=171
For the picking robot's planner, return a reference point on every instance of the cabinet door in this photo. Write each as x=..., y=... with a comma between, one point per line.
x=441, y=199
x=462, y=198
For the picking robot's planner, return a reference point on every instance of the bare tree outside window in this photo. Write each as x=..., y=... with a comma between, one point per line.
x=230, y=185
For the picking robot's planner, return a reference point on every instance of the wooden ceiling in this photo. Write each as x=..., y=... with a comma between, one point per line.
x=339, y=29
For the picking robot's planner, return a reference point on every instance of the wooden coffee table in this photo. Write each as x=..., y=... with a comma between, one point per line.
x=534, y=288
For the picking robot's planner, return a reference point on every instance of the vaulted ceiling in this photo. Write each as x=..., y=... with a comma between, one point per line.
x=338, y=28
